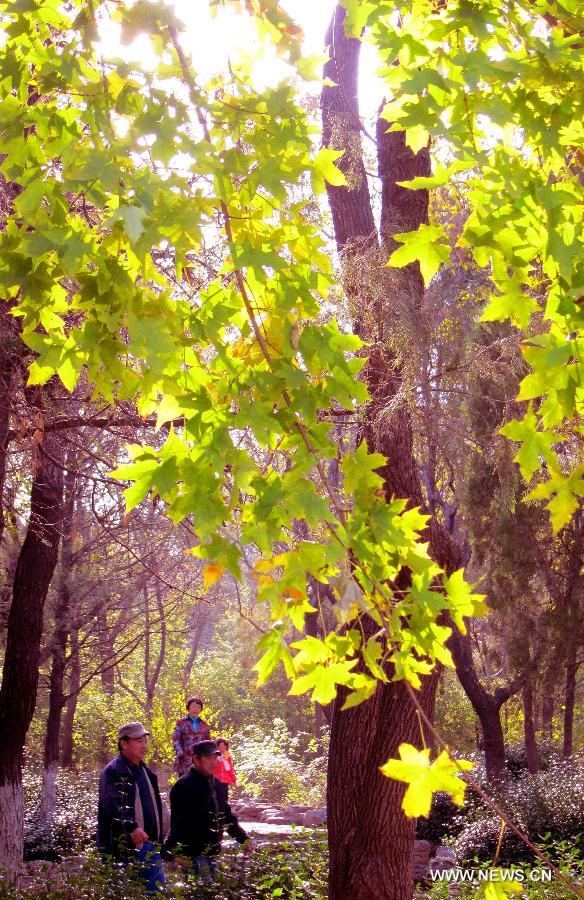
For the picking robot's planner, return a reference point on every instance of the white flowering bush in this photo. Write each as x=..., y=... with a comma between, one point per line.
x=280, y=767
x=548, y=806
x=75, y=822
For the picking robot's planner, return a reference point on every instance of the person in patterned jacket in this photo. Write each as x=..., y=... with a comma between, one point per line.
x=187, y=732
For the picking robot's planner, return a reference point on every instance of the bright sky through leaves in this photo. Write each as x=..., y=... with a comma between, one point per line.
x=210, y=40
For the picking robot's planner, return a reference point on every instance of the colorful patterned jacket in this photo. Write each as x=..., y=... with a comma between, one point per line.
x=184, y=738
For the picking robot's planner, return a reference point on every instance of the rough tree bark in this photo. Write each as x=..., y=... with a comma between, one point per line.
x=570, y=605
x=370, y=839
x=34, y=571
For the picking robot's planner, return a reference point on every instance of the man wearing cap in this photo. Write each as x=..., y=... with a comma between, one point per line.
x=129, y=815
x=199, y=813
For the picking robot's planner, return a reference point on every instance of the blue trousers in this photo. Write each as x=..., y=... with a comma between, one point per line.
x=146, y=863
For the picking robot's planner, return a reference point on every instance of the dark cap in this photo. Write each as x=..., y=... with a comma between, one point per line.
x=132, y=730
x=206, y=748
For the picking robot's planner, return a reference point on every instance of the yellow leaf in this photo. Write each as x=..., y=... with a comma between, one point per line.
x=212, y=573
x=425, y=778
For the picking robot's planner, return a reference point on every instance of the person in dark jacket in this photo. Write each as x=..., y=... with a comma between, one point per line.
x=198, y=814
x=129, y=813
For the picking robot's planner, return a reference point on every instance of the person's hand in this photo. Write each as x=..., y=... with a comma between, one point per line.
x=248, y=846
x=138, y=836
x=183, y=862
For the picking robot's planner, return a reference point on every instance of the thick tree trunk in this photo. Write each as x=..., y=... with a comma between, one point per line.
x=569, y=701
x=11, y=825
x=370, y=838
x=529, y=728
x=34, y=570
x=58, y=664
x=352, y=214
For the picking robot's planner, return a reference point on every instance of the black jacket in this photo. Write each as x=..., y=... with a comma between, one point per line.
x=198, y=816
x=115, y=811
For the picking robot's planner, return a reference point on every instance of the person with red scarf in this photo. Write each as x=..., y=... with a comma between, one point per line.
x=224, y=772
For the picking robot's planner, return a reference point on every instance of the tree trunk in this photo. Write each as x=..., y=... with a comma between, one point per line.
x=106, y=652
x=198, y=628
x=57, y=700
x=11, y=823
x=107, y=673
x=529, y=729
x=352, y=213
x=486, y=706
x=151, y=677
x=74, y=683
x=34, y=570
x=547, y=706
x=569, y=701
x=8, y=360
x=370, y=839
x=536, y=708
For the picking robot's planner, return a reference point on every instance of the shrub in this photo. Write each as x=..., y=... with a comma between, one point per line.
x=280, y=768
x=75, y=823
x=516, y=757
x=534, y=886
x=295, y=869
x=548, y=805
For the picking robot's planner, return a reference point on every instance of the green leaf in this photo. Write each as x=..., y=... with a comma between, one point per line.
x=461, y=599
x=132, y=220
x=324, y=169
x=422, y=246
x=417, y=137
x=566, y=493
x=276, y=651
x=536, y=445
x=323, y=680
